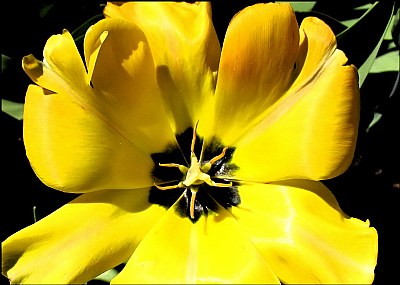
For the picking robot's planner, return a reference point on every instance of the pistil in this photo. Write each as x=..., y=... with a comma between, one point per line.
x=195, y=175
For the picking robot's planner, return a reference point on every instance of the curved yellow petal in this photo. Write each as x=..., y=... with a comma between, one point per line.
x=120, y=84
x=186, y=52
x=123, y=78
x=258, y=55
x=309, y=133
x=317, y=44
x=212, y=250
x=58, y=72
x=98, y=129
x=93, y=233
x=73, y=149
x=304, y=236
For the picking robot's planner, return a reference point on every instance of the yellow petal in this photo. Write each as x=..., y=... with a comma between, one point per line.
x=120, y=86
x=75, y=150
x=317, y=44
x=212, y=250
x=258, y=54
x=70, y=66
x=82, y=239
x=304, y=236
x=99, y=136
x=309, y=133
x=124, y=83
x=58, y=72
x=186, y=52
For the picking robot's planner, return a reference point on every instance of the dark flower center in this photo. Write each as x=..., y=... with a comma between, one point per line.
x=196, y=184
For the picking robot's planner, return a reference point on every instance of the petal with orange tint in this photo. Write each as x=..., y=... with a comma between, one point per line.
x=304, y=236
x=317, y=44
x=91, y=234
x=257, y=59
x=309, y=133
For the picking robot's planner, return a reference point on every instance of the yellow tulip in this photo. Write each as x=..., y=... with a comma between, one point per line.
x=195, y=163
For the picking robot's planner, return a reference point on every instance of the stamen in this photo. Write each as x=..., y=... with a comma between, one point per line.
x=218, y=157
x=221, y=184
x=207, y=166
x=192, y=200
x=198, y=176
x=179, y=185
x=169, y=164
x=183, y=169
x=194, y=137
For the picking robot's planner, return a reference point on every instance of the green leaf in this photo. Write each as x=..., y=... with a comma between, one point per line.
x=386, y=62
x=387, y=59
x=14, y=109
x=300, y=6
x=375, y=119
x=351, y=22
x=362, y=40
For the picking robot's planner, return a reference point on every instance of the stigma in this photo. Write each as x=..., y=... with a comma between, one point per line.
x=195, y=175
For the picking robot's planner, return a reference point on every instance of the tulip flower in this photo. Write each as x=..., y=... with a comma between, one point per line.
x=196, y=163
